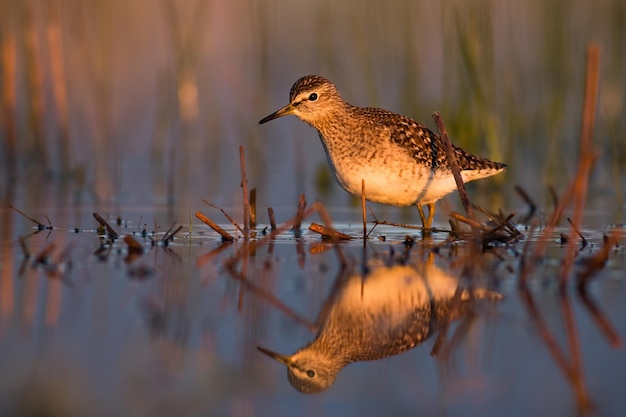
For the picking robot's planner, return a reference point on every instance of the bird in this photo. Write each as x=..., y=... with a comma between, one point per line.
x=391, y=309
x=401, y=161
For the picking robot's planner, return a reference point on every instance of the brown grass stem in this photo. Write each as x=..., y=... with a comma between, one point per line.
x=454, y=165
x=244, y=186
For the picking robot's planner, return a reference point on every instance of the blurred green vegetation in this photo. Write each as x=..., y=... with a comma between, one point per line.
x=125, y=100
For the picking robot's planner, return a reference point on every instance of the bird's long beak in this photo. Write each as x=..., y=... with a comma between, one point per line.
x=288, y=109
x=284, y=359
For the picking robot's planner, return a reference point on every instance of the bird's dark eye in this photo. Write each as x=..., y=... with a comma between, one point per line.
x=310, y=373
x=313, y=97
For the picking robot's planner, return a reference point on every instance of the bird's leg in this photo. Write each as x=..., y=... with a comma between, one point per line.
x=427, y=222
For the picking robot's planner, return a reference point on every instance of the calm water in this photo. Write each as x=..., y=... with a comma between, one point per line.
x=137, y=109
x=175, y=332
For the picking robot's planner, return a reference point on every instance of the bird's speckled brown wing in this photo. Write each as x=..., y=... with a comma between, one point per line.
x=423, y=144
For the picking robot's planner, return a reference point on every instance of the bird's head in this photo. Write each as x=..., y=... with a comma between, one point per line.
x=308, y=371
x=313, y=99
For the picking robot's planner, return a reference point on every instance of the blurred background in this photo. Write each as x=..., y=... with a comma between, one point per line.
x=126, y=103
x=137, y=108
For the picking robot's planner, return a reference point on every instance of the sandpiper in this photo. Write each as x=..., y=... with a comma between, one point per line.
x=401, y=161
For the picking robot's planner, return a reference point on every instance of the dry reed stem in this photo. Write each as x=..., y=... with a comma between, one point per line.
x=253, y=208
x=166, y=235
x=501, y=222
x=578, y=232
x=297, y=226
x=270, y=214
x=403, y=225
x=40, y=225
x=470, y=222
x=112, y=233
x=328, y=233
x=170, y=234
x=228, y=216
x=315, y=207
x=225, y=235
x=588, y=155
x=454, y=165
x=532, y=207
x=244, y=186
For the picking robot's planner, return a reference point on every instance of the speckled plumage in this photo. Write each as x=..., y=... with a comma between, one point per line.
x=389, y=311
x=402, y=162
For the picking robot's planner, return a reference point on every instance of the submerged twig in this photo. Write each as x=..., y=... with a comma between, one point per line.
x=328, y=233
x=112, y=233
x=223, y=233
x=228, y=216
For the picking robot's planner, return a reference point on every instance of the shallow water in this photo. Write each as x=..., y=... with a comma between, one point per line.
x=121, y=107
x=175, y=331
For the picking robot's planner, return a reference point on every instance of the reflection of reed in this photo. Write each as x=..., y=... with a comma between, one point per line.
x=7, y=301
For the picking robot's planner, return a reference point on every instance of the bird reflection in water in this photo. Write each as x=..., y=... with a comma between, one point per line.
x=388, y=311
